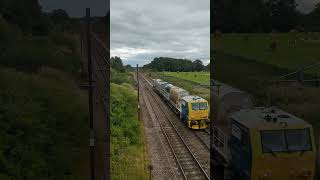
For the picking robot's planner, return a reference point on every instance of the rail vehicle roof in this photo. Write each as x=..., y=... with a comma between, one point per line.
x=163, y=83
x=193, y=99
x=179, y=89
x=225, y=89
x=252, y=118
x=231, y=97
x=169, y=86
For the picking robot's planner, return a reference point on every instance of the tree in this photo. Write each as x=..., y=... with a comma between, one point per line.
x=116, y=63
x=255, y=16
x=236, y=15
x=26, y=14
x=174, y=65
x=197, y=65
x=312, y=19
x=281, y=15
x=128, y=67
x=59, y=16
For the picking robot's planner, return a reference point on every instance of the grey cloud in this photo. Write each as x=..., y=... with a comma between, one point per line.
x=306, y=5
x=173, y=28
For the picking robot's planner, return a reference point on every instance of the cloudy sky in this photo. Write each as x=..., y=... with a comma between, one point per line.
x=306, y=5
x=144, y=29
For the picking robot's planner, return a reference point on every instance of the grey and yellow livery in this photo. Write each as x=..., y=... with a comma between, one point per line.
x=193, y=110
x=266, y=144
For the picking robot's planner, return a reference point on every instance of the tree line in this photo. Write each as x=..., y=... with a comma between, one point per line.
x=174, y=65
x=28, y=16
x=262, y=16
x=116, y=64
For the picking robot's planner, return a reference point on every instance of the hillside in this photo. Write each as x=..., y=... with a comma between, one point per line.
x=42, y=137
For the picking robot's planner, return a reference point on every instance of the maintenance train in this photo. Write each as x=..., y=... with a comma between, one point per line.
x=259, y=143
x=193, y=110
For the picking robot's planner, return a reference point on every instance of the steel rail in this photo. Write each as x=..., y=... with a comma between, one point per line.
x=197, y=163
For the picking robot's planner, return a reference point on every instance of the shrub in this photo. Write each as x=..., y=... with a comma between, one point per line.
x=41, y=135
x=32, y=54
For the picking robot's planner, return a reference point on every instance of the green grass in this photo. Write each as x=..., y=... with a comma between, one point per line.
x=129, y=157
x=257, y=78
x=246, y=62
x=197, y=77
x=41, y=136
x=256, y=47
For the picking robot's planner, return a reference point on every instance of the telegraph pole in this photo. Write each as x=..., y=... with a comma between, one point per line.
x=90, y=94
x=138, y=87
x=138, y=80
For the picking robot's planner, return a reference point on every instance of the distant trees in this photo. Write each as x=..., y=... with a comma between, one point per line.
x=197, y=65
x=312, y=19
x=116, y=63
x=59, y=15
x=26, y=14
x=281, y=15
x=260, y=16
x=172, y=64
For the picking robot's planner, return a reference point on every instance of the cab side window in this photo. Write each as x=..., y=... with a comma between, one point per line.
x=245, y=139
x=242, y=135
x=184, y=105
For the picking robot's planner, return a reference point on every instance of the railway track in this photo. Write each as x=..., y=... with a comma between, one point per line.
x=189, y=165
x=203, y=136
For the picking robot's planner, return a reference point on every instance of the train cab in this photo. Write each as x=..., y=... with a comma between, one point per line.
x=194, y=112
x=268, y=143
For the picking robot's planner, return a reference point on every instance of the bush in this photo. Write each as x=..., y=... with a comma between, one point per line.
x=41, y=135
x=8, y=34
x=120, y=77
x=32, y=54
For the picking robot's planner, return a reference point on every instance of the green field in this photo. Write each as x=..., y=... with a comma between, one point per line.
x=197, y=77
x=286, y=55
x=249, y=64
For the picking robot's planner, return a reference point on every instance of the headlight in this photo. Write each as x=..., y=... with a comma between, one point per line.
x=305, y=173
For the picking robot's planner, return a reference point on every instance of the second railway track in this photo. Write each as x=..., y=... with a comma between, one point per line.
x=188, y=164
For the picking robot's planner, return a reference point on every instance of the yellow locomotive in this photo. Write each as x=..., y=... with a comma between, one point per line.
x=193, y=110
x=266, y=144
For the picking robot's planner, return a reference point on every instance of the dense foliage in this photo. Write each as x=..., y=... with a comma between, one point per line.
x=173, y=65
x=28, y=17
x=128, y=156
x=261, y=16
x=116, y=63
x=41, y=135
